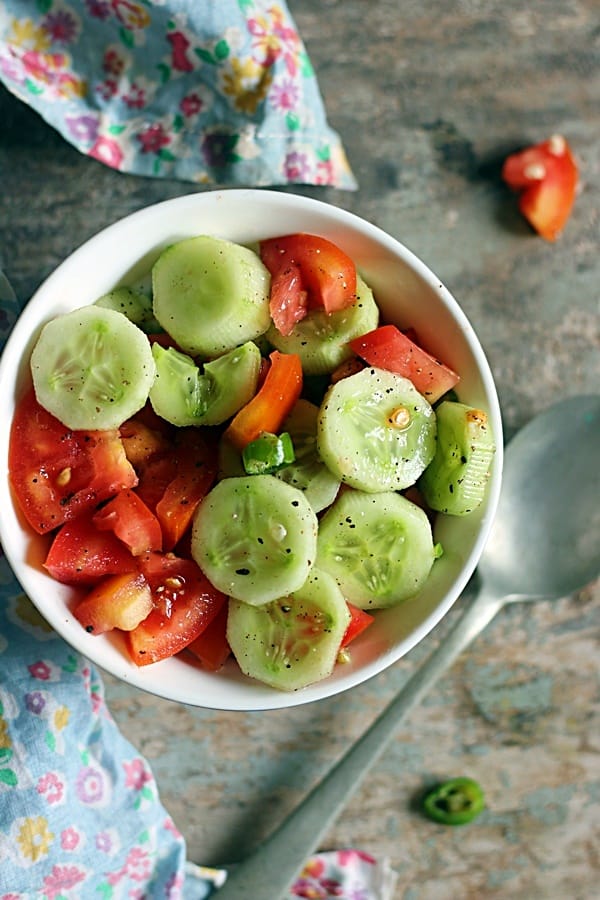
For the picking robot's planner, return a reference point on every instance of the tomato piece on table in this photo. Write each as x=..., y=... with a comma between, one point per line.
x=388, y=348
x=546, y=177
x=271, y=404
x=118, y=601
x=81, y=554
x=212, y=647
x=196, y=465
x=57, y=473
x=359, y=620
x=307, y=271
x=131, y=521
x=184, y=604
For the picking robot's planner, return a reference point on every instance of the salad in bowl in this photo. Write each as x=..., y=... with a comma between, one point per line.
x=254, y=449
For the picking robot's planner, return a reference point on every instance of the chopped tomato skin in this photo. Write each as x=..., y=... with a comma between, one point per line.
x=359, y=620
x=57, y=473
x=119, y=601
x=131, y=521
x=212, y=647
x=307, y=272
x=81, y=554
x=389, y=348
x=271, y=405
x=184, y=604
x=546, y=176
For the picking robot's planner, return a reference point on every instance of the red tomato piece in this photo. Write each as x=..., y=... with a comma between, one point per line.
x=142, y=442
x=388, y=348
x=80, y=554
x=119, y=601
x=212, y=647
x=56, y=473
x=184, y=604
x=307, y=271
x=196, y=465
x=131, y=521
x=273, y=402
x=359, y=620
x=546, y=176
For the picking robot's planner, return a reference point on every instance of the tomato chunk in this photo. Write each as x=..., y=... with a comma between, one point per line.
x=359, y=620
x=270, y=406
x=132, y=522
x=184, y=604
x=212, y=647
x=81, y=554
x=56, y=473
x=119, y=601
x=307, y=271
x=388, y=348
x=546, y=177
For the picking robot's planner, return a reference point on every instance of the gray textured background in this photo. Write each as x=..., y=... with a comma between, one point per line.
x=428, y=98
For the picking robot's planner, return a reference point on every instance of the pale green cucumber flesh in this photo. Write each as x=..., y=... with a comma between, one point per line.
x=294, y=640
x=455, y=481
x=255, y=538
x=133, y=304
x=359, y=438
x=308, y=473
x=234, y=380
x=211, y=295
x=180, y=393
x=378, y=547
x=321, y=339
x=92, y=368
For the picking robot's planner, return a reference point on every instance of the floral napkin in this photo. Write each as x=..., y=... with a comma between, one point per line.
x=206, y=91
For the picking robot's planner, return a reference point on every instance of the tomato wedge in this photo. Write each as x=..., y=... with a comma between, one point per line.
x=184, y=604
x=81, y=554
x=307, y=271
x=212, y=647
x=546, y=176
x=273, y=402
x=56, y=473
x=119, y=601
x=132, y=522
x=359, y=620
x=388, y=348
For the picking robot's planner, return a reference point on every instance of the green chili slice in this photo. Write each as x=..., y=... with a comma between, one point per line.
x=454, y=802
x=268, y=453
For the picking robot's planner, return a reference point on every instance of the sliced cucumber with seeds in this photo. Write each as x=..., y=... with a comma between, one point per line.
x=308, y=473
x=211, y=295
x=255, y=538
x=137, y=306
x=378, y=547
x=321, y=339
x=293, y=641
x=92, y=368
x=455, y=481
x=183, y=394
x=376, y=432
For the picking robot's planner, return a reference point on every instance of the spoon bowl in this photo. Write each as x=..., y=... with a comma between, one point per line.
x=544, y=543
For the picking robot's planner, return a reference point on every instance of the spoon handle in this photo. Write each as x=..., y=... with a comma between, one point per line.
x=270, y=870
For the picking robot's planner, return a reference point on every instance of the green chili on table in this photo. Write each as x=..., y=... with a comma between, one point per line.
x=454, y=802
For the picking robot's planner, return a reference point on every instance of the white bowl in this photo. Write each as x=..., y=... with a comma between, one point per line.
x=408, y=295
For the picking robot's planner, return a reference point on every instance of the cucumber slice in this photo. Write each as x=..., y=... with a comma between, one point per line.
x=255, y=538
x=211, y=295
x=294, y=640
x=183, y=395
x=308, y=473
x=455, y=480
x=375, y=431
x=378, y=547
x=321, y=339
x=92, y=368
x=135, y=305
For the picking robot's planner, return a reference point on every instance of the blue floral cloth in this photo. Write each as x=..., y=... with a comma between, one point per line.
x=212, y=92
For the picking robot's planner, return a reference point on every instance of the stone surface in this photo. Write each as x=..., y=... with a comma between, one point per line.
x=428, y=97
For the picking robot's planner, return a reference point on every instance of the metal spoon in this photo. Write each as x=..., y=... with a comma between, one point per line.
x=545, y=544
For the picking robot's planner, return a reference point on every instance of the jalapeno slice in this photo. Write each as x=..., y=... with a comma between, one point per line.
x=454, y=802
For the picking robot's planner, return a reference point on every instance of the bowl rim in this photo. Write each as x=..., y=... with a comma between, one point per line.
x=28, y=321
